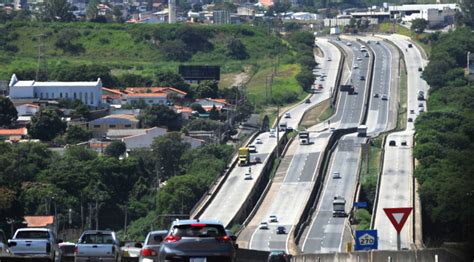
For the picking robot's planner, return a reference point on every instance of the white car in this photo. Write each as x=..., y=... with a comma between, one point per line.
x=348, y=43
x=263, y=225
x=384, y=97
x=328, y=59
x=359, y=59
x=355, y=66
x=248, y=176
x=273, y=219
x=258, y=141
x=287, y=115
x=252, y=148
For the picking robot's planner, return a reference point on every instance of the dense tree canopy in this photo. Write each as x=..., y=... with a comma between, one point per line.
x=8, y=113
x=46, y=124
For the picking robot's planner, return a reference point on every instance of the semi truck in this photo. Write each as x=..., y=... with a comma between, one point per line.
x=304, y=137
x=244, y=156
x=362, y=130
x=339, y=207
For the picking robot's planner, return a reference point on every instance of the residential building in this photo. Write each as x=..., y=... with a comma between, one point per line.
x=136, y=138
x=13, y=134
x=209, y=103
x=148, y=98
x=435, y=14
x=100, y=126
x=186, y=112
x=170, y=91
x=221, y=17
x=39, y=221
x=90, y=93
x=112, y=96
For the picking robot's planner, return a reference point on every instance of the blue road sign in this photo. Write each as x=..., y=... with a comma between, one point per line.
x=366, y=240
x=360, y=204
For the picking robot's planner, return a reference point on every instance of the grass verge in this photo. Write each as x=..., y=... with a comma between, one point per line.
x=402, y=109
x=316, y=115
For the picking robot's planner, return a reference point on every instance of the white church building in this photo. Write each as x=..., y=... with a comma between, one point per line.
x=90, y=93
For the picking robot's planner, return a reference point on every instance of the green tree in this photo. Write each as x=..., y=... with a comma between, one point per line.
x=167, y=151
x=117, y=14
x=92, y=10
x=198, y=107
x=77, y=134
x=175, y=50
x=307, y=62
x=467, y=8
x=207, y=89
x=8, y=113
x=204, y=125
x=236, y=49
x=65, y=42
x=171, y=79
x=214, y=114
x=57, y=10
x=305, y=78
x=46, y=124
x=116, y=149
x=160, y=115
x=419, y=25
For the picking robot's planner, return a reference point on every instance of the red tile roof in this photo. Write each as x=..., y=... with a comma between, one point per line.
x=38, y=221
x=14, y=132
x=147, y=95
x=135, y=90
x=114, y=91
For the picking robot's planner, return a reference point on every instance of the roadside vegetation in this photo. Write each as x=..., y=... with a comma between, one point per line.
x=445, y=142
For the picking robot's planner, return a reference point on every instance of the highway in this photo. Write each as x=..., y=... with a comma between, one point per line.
x=235, y=189
x=295, y=176
x=396, y=185
x=327, y=233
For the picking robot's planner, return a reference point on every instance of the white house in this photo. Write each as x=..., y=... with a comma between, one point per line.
x=27, y=109
x=90, y=93
x=149, y=98
x=136, y=138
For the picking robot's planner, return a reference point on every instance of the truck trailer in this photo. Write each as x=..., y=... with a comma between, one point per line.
x=339, y=207
x=244, y=156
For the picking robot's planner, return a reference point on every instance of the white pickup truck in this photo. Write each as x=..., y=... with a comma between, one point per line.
x=97, y=245
x=35, y=242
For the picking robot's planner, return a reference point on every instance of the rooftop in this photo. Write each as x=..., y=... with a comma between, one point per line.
x=14, y=132
x=39, y=221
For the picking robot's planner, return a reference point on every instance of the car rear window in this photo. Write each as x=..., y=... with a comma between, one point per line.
x=32, y=234
x=199, y=230
x=97, y=239
x=155, y=239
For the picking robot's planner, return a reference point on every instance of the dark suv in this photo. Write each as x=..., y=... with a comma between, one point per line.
x=197, y=240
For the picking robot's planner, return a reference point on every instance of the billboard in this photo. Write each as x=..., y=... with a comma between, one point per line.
x=200, y=72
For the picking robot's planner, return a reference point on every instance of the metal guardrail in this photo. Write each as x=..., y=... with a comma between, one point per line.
x=371, y=75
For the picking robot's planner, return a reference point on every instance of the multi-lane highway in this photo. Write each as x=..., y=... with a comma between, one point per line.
x=396, y=185
x=233, y=193
x=295, y=176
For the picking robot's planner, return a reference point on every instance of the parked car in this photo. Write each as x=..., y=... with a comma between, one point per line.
x=100, y=245
x=273, y=219
x=263, y=225
x=38, y=242
x=4, y=249
x=280, y=230
x=151, y=246
x=197, y=240
x=278, y=256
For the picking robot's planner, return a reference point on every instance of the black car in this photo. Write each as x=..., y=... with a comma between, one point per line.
x=362, y=78
x=280, y=230
x=278, y=256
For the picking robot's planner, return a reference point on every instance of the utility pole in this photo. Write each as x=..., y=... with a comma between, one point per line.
x=41, y=57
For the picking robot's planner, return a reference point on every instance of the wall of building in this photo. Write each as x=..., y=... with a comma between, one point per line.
x=145, y=140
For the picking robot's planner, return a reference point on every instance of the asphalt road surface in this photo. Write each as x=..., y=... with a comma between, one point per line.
x=396, y=186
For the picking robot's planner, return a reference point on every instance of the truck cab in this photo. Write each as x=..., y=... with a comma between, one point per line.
x=339, y=207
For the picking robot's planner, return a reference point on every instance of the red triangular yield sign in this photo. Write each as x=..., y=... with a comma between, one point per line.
x=398, y=216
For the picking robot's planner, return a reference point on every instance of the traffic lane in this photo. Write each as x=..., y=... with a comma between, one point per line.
x=378, y=114
x=324, y=228
x=395, y=189
x=268, y=239
x=303, y=164
x=234, y=191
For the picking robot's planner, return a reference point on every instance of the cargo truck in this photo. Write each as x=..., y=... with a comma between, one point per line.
x=244, y=156
x=339, y=207
x=304, y=137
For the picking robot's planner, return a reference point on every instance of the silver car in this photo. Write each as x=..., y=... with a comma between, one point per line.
x=197, y=240
x=151, y=246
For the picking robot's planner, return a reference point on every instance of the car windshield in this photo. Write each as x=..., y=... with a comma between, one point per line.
x=97, y=239
x=32, y=234
x=198, y=230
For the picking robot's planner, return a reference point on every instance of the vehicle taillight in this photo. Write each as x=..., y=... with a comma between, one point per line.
x=48, y=247
x=224, y=238
x=76, y=250
x=172, y=238
x=147, y=252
